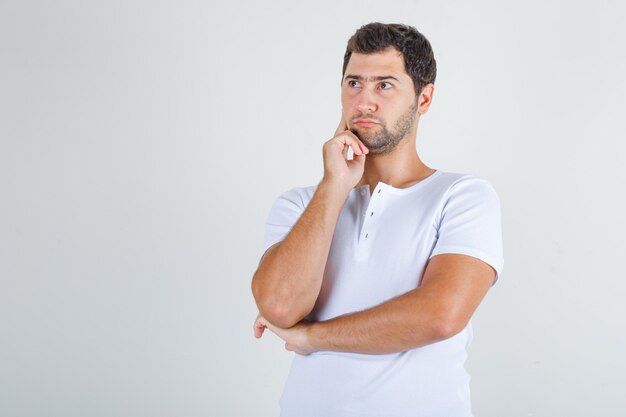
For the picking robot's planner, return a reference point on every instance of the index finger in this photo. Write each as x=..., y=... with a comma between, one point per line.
x=347, y=139
x=343, y=125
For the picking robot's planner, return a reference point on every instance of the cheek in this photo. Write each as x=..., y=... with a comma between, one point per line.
x=348, y=103
x=344, y=98
x=346, y=109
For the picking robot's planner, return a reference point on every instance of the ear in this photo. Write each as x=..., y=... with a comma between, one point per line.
x=425, y=98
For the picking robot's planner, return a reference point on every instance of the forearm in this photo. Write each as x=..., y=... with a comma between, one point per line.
x=409, y=321
x=288, y=280
x=449, y=293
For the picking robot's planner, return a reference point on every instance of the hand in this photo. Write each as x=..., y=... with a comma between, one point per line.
x=296, y=338
x=337, y=167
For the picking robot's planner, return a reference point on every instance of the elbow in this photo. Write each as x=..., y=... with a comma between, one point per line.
x=277, y=312
x=279, y=315
x=443, y=331
x=276, y=309
x=446, y=327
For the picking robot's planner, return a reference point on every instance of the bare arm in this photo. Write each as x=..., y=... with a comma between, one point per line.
x=451, y=290
x=289, y=277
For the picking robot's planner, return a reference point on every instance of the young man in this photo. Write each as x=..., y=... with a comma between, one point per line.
x=372, y=276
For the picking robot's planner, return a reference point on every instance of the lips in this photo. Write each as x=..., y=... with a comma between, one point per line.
x=366, y=122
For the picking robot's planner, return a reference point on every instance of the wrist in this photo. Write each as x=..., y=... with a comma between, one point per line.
x=314, y=338
x=335, y=186
x=311, y=338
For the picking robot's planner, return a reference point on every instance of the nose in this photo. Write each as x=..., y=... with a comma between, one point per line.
x=366, y=103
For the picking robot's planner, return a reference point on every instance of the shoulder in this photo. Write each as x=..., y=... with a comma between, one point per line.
x=468, y=221
x=455, y=185
x=295, y=199
x=300, y=196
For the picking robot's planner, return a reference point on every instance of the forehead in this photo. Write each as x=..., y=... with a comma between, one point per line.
x=386, y=62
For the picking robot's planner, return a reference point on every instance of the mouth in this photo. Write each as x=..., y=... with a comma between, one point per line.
x=366, y=122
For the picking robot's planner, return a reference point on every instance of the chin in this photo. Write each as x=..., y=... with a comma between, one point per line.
x=365, y=136
x=380, y=150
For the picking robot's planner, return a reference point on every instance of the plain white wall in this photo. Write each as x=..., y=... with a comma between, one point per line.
x=142, y=144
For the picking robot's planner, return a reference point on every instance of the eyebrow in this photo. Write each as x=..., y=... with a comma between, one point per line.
x=378, y=78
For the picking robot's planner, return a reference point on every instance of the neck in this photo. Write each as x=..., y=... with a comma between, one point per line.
x=400, y=168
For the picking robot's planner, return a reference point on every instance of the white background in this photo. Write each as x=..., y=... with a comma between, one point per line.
x=142, y=144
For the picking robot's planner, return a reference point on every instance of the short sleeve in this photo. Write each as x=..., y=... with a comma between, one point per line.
x=285, y=212
x=470, y=222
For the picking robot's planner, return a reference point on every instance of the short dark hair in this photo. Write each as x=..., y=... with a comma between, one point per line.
x=419, y=60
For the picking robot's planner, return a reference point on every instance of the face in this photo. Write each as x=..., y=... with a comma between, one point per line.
x=378, y=99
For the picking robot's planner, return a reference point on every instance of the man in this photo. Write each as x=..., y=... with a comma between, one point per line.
x=372, y=276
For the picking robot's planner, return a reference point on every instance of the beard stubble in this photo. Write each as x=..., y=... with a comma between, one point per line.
x=384, y=141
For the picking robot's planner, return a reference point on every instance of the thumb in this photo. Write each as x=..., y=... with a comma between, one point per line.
x=259, y=326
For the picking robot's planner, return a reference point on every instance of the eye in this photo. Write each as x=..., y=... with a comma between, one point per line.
x=354, y=83
x=385, y=85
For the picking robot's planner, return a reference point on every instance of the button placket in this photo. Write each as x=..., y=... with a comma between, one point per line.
x=373, y=207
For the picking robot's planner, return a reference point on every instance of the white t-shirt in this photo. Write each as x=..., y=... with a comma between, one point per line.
x=380, y=248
